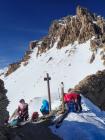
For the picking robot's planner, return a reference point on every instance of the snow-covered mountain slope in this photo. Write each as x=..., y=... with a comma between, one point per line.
x=66, y=60
x=88, y=125
x=69, y=64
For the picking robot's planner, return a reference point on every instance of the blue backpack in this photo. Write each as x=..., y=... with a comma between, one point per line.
x=72, y=107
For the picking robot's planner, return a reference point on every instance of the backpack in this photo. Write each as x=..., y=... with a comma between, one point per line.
x=72, y=106
x=35, y=116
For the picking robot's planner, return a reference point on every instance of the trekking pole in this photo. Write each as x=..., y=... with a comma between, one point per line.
x=62, y=96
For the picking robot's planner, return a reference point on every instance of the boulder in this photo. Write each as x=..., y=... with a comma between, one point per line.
x=93, y=88
x=3, y=110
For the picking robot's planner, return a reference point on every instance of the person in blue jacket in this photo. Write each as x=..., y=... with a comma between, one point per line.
x=45, y=107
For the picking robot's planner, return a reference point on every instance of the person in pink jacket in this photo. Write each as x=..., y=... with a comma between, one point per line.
x=23, y=110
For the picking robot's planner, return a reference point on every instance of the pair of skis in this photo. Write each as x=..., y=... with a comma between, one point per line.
x=58, y=121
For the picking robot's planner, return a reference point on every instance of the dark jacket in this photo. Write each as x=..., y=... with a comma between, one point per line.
x=23, y=110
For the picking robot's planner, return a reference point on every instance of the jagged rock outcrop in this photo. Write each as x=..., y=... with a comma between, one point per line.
x=3, y=110
x=12, y=68
x=81, y=27
x=32, y=45
x=26, y=57
x=93, y=88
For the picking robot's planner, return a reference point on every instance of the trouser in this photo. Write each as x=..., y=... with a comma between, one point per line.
x=79, y=104
x=70, y=106
x=22, y=118
x=45, y=112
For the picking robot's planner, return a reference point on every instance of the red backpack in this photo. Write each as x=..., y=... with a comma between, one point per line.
x=35, y=116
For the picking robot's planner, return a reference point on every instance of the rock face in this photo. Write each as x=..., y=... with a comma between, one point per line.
x=81, y=27
x=12, y=68
x=3, y=110
x=93, y=88
x=3, y=103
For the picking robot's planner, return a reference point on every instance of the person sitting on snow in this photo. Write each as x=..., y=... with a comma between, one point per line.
x=20, y=114
x=22, y=110
x=45, y=107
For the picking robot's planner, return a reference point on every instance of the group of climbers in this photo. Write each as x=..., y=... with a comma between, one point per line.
x=72, y=102
x=21, y=113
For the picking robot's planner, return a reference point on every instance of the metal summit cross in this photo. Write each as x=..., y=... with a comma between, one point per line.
x=47, y=78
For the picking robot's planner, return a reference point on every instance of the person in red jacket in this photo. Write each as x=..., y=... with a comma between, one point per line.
x=73, y=97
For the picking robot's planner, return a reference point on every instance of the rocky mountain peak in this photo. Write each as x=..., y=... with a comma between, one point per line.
x=81, y=11
x=82, y=27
